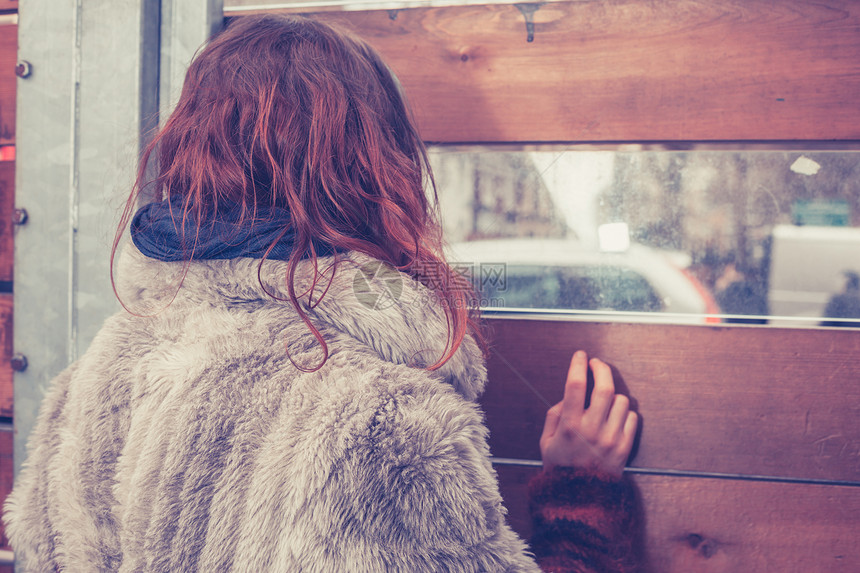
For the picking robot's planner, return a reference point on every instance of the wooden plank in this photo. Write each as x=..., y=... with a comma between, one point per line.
x=8, y=59
x=708, y=525
x=245, y=7
x=739, y=400
x=6, y=383
x=625, y=70
x=7, y=205
x=8, y=79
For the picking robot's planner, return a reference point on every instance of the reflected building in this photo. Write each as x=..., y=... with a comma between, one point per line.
x=494, y=195
x=722, y=207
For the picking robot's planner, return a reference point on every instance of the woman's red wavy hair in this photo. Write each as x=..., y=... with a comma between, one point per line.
x=287, y=111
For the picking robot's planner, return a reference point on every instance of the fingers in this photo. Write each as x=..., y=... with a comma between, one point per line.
x=600, y=436
x=603, y=394
x=576, y=384
x=618, y=414
x=628, y=435
x=550, y=424
x=620, y=451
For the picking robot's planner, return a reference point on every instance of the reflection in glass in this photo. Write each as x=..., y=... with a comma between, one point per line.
x=758, y=236
x=564, y=274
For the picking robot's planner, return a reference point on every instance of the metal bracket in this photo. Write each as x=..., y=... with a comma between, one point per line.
x=528, y=12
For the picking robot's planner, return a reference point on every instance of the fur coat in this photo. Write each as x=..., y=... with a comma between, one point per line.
x=186, y=439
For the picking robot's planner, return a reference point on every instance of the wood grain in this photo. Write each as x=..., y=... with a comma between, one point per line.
x=7, y=229
x=625, y=70
x=745, y=400
x=709, y=525
x=6, y=384
x=8, y=79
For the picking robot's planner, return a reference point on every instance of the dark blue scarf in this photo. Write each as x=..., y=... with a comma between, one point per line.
x=158, y=233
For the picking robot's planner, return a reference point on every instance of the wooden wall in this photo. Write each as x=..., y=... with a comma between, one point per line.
x=625, y=70
x=746, y=400
x=776, y=410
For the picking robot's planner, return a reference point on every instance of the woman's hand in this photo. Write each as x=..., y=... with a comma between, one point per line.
x=599, y=437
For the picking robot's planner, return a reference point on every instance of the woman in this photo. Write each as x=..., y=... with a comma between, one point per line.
x=278, y=397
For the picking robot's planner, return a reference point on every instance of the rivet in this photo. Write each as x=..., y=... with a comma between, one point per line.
x=19, y=216
x=23, y=69
x=18, y=362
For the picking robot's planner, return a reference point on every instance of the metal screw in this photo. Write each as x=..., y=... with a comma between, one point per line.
x=19, y=216
x=19, y=362
x=23, y=69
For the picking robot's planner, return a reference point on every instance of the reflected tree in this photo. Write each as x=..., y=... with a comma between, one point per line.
x=721, y=207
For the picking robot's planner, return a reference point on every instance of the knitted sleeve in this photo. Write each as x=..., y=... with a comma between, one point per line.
x=584, y=522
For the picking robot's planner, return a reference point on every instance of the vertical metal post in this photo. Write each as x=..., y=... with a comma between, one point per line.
x=185, y=26
x=46, y=38
x=83, y=115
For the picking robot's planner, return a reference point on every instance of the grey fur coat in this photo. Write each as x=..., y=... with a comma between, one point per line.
x=186, y=440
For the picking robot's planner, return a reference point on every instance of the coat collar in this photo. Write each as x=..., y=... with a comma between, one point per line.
x=373, y=303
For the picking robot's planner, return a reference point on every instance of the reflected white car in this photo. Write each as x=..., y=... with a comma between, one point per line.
x=562, y=275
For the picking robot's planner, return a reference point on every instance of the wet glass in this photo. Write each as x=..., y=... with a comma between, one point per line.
x=752, y=236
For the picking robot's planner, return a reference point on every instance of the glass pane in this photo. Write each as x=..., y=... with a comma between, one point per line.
x=762, y=237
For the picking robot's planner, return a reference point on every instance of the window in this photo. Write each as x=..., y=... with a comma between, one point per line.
x=752, y=236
